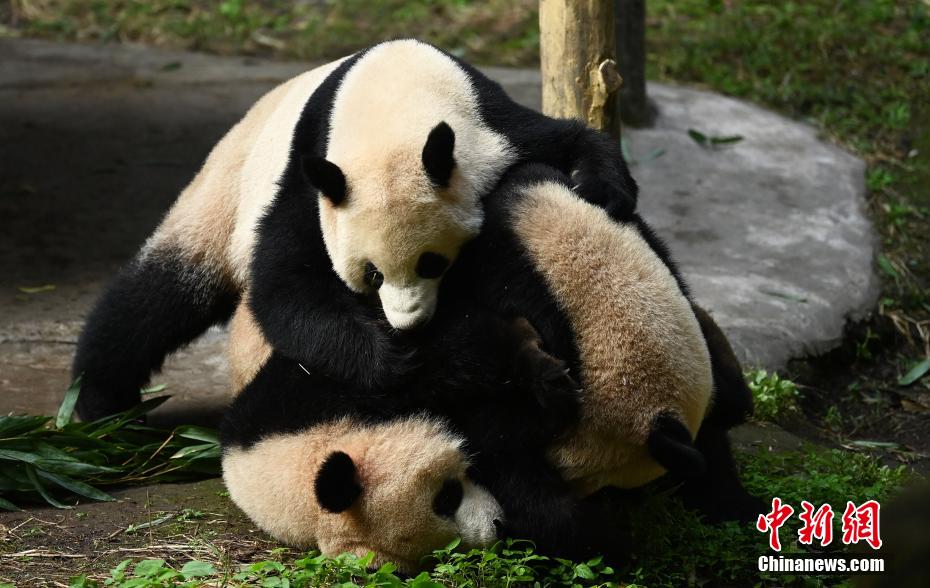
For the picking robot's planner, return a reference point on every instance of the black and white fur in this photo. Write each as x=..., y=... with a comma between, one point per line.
x=610, y=301
x=362, y=178
x=487, y=378
x=636, y=327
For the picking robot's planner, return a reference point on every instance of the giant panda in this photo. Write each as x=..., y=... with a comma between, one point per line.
x=661, y=385
x=359, y=179
x=486, y=378
x=399, y=489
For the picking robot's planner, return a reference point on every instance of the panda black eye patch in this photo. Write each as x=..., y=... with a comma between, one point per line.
x=373, y=277
x=449, y=498
x=432, y=265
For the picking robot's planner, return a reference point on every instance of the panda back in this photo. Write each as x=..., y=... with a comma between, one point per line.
x=641, y=349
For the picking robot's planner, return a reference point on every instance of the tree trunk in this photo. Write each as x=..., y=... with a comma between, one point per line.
x=577, y=45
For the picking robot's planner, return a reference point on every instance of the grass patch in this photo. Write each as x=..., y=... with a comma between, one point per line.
x=490, y=31
x=674, y=548
x=52, y=459
x=773, y=395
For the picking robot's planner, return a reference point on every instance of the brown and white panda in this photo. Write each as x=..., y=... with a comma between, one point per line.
x=361, y=178
x=405, y=482
x=605, y=297
x=486, y=378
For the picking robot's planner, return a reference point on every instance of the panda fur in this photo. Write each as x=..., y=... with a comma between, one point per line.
x=406, y=483
x=661, y=383
x=662, y=386
x=384, y=155
x=485, y=377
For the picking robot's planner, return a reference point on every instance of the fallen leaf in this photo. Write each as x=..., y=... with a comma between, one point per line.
x=36, y=289
x=915, y=373
x=888, y=268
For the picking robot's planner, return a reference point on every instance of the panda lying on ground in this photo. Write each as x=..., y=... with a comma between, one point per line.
x=603, y=295
x=304, y=454
x=366, y=173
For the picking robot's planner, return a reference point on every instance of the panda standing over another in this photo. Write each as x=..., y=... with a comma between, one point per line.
x=360, y=179
x=661, y=386
x=484, y=378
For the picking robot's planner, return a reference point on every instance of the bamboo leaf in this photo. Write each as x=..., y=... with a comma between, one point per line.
x=7, y=505
x=66, y=410
x=37, y=484
x=76, y=486
x=198, y=434
x=727, y=140
x=108, y=424
x=192, y=450
x=12, y=426
x=154, y=389
x=918, y=371
x=74, y=468
x=8, y=455
x=698, y=137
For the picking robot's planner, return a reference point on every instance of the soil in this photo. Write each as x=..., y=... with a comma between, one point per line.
x=45, y=546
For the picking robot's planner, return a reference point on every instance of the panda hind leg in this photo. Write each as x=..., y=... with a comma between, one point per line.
x=732, y=403
x=155, y=305
x=718, y=494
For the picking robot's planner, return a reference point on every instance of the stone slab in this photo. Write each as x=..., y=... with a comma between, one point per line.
x=96, y=142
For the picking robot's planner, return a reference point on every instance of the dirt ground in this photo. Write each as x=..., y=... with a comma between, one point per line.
x=46, y=546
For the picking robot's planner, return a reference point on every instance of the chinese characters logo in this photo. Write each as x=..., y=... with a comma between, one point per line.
x=860, y=523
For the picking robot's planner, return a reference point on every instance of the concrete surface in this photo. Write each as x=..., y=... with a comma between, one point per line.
x=96, y=142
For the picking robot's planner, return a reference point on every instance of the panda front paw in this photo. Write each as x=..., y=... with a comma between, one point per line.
x=99, y=398
x=557, y=394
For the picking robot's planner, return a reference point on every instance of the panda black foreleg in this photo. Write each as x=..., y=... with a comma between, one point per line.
x=718, y=493
x=153, y=306
x=539, y=506
x=306, y=312
x=592, y=159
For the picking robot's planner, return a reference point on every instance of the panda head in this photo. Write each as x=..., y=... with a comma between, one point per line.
x=394, y=221
x=398, y=489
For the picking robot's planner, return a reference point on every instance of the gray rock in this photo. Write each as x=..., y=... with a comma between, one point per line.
x=97, y=141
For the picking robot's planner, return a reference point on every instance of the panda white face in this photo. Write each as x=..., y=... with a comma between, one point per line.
x=395, y=225
x=398, y=489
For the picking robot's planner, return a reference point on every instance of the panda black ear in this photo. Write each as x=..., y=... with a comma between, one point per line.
x=336, y=486
x=437, y=154
x=325, y=177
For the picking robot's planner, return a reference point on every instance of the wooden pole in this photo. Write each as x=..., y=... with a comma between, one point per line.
x=635, y=107
x=577, y=45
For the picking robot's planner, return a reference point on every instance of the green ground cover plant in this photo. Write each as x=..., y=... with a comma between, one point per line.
x=858, y=69
x=674, y=548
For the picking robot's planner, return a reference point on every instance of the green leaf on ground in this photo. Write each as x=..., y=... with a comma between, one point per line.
x=36, y=289
x=713, y=141
x=918, y=371
x=889, y=269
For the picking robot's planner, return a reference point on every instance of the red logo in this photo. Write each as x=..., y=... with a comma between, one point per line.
x=817, y=525
x=859, y=523
x=773, y=521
